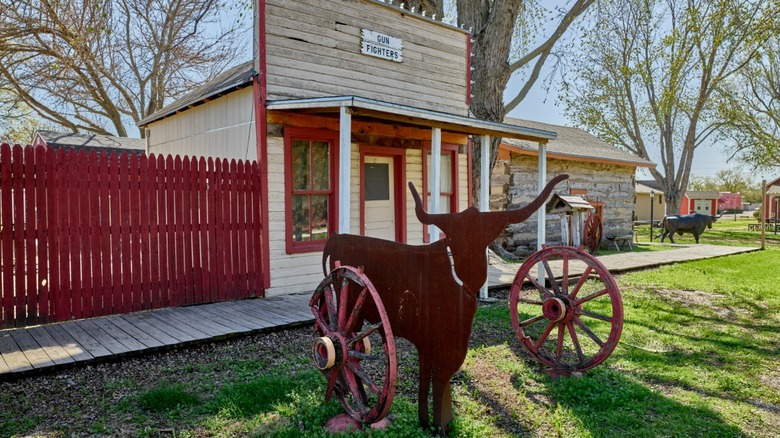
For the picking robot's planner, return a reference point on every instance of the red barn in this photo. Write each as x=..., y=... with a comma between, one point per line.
x=772, y=200
x=699, y=201
x=729, y=201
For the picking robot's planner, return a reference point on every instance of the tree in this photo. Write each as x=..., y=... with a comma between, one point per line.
x=753, y=104
x=504, y=45
x=102, y=65
x=650, y=70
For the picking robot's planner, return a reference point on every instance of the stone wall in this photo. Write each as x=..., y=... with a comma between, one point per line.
x=514, y=184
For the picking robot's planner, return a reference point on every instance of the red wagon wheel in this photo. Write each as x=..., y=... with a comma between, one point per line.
x=592, y=233
x=356, y=357
x=572, y=324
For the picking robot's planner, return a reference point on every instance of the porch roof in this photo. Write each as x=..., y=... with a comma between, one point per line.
x=361, y=107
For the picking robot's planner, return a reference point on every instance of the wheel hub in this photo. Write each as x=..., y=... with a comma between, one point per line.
x=328, y=352
x=554, y=309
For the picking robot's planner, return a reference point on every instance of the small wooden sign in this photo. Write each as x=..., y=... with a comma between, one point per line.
x=382, y=46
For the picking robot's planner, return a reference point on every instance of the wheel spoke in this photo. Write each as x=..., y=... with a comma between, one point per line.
x=321, y=322
x=588, y=332
x=353, y=318
x=559, y=346
x=342, y=303
x=359, y=372
x=550, y=276
x=357, y=391
x=565, y=278
x=371, y=329
x=595, y=315
x=331, y=384
x=575, y=341
x=530, y=321
x=591, y=296
x=332, y=315
x=581, y=281
x=538, y=286
x=544, y=336
x=363, y=356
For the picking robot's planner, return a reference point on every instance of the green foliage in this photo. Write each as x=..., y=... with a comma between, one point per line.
x=166, y=398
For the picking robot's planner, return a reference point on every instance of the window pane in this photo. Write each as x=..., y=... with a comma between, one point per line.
x=319, y=217
x=446, y=173
x=321, y=165
x=377, y=179
x=444, y=204
x=300, y=218
x=300, y=164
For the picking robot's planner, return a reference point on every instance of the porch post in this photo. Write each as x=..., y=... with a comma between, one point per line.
x=434, y=179
x=484, y=195
x=345, y=168
x=541, y=214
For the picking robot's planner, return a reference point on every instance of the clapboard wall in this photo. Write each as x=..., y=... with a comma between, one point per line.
x=313, y=49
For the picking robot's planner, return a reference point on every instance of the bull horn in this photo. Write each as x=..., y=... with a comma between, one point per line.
x=422, y=215
x=502, y=218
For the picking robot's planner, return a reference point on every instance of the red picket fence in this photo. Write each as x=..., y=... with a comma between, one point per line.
x=90, y=234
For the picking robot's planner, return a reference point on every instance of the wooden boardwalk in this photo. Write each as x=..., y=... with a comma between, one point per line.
x=31, y=350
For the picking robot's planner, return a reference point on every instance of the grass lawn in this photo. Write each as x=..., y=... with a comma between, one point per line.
x=699, y=356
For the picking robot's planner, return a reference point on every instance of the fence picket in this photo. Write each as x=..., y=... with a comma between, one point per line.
x=88, y=234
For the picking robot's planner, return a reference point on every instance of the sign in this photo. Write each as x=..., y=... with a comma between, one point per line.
x=382, y=46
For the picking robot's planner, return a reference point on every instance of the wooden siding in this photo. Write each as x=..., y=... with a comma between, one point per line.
x=313, y=50
x=222, y=128
x=294, y=273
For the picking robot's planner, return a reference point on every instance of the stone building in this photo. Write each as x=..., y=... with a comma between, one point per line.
x=598, y=172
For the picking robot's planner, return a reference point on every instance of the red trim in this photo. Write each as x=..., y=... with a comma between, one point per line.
x=332, y=137
x=469, y=174
x=399, y=174
x=261, y=134
x=468, y=69
x=445, y=147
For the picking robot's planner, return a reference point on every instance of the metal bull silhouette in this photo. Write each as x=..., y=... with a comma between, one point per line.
x=429, y=294
x=686, y=223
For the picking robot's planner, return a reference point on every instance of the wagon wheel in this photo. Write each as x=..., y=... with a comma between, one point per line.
x=592, y=233
x=356, y=357
x=572, y=324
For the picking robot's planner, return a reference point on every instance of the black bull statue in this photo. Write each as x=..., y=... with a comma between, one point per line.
x=686, y=223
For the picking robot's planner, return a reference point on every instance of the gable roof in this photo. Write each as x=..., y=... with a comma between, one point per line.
x=572, y=144
x=108, y=143
x=647, y=185
x=232, y=79
x=702, y=194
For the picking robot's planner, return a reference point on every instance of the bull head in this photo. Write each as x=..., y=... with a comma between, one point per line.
x=469, y=232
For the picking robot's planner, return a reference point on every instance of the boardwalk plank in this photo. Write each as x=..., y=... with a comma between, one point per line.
x=142, y=323
x=272, y=312
x=188, y=323
x=34, y=353
x=13, y=356
x=66, y=341
x=230, y=308
x=135, y=332
x=108, y=326
x=85, y=339
x=290, y=306
x=50, y=346
x=258, y=312
x=173, y=328
x=4, y=369
x=216, y=316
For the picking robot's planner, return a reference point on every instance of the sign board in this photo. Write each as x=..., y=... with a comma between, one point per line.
x=381, y=46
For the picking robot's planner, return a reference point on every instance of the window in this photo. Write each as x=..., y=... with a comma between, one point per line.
x=448, y=197
x=310, y=188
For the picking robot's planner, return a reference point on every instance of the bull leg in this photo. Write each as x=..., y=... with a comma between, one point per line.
x=422, y=395
x=664, y=232
x=442, y=403
x=696, y=236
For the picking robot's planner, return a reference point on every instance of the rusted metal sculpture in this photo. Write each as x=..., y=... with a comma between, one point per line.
x=591, y=234
x=423, y=294
x=428, y=295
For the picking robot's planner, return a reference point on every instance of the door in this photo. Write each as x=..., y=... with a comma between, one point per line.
x=702, y=206
x=379, y=214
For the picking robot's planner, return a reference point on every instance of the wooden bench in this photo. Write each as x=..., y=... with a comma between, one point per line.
x=624, y=240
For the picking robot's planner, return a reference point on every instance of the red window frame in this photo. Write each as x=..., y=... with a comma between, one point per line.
x=308, y=134
x=452, y=150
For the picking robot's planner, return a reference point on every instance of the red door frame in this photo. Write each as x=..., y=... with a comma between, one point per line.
x=399, y=174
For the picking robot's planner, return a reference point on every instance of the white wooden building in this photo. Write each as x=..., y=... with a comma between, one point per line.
x=346, y=101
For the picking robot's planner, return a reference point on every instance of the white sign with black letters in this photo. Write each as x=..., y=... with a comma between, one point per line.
x=382, y=46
